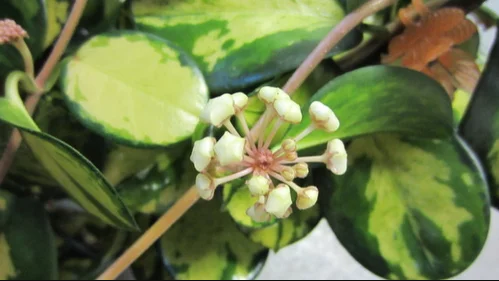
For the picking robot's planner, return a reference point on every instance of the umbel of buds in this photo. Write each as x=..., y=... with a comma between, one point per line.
x=10, y=31
x=270, y=174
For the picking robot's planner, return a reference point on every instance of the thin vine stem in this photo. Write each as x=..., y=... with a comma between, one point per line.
x=32, y=100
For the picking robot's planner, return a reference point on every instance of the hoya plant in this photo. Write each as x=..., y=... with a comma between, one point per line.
x=188, y=139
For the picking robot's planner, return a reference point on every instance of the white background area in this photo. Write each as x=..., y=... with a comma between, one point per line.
x=319, y=256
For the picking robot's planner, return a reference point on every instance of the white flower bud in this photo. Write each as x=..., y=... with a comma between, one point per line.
x=335, y=146
x=218, y=110
x=288, y=110
x=257, y=213
x=291, y=156
x=288, y=213
x=229, y=149
x=258, y=185
x=269, y=94
x=323, y=117
x=338, y=163
x=289, y=145
x=288, y=173
x=336, y=157
x=301, y=170
x=240, y=101
x=205, y=186
x=279, y=201
x=202, y=153
x=307, y=198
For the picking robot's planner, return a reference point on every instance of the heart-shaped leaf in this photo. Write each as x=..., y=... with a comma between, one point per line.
x=224, y=36
x=27, y=243
x=410, y=208
x=158, y=104
x=480, y=125
x=205, y=243
x=78, y=176
x=381, y=99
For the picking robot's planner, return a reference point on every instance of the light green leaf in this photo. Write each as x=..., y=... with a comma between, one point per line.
x=78, y=176
x=239, y=44
x=206, y=244
x=156, y=105
x=480, y=124
x=410, y=208
x=27, y=244
x=381, y=99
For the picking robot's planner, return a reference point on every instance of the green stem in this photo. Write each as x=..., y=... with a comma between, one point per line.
x=23, y=49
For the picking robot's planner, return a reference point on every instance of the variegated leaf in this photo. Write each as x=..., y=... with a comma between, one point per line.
x=410, y=208
x=156, y=105
x=381, y=99
x=205, y=243
x=238, y=44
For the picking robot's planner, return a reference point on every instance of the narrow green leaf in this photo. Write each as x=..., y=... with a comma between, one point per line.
x=224, y=36
x=77, y=175
x=156, y=105
x=381, y=99
x=480, y=125
x=410, y=208
x=206, y=244
x=27, y=244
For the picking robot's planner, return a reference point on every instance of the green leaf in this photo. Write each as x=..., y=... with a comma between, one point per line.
x=480, y=125
x=78, y=176
x=6, y=200
x=156, y=105
x=206, y=244
x=381, y=99
x=410, y=208
x=238, y=44
x=155, y=189
x=30, y=14
x=287, y=231
x=27, y=244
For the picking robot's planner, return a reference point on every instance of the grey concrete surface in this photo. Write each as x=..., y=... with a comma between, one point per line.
x=320, y=256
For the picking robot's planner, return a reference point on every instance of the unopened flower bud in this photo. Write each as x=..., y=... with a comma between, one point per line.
x=288, y=213
x=257, y=213
x=229, y=149
x=336, y=157
x=288, y=110
x=258, y=185
x=269, y=94
x=240, y=101
x=289, y=145
x=11, y=31
x=218, y=110
x=307, y=197
x=301, y=170
x=279, y=201
x=205, y=186
x=291, y=156
x=202, y=153
x=288, y=173
x=323, y=117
